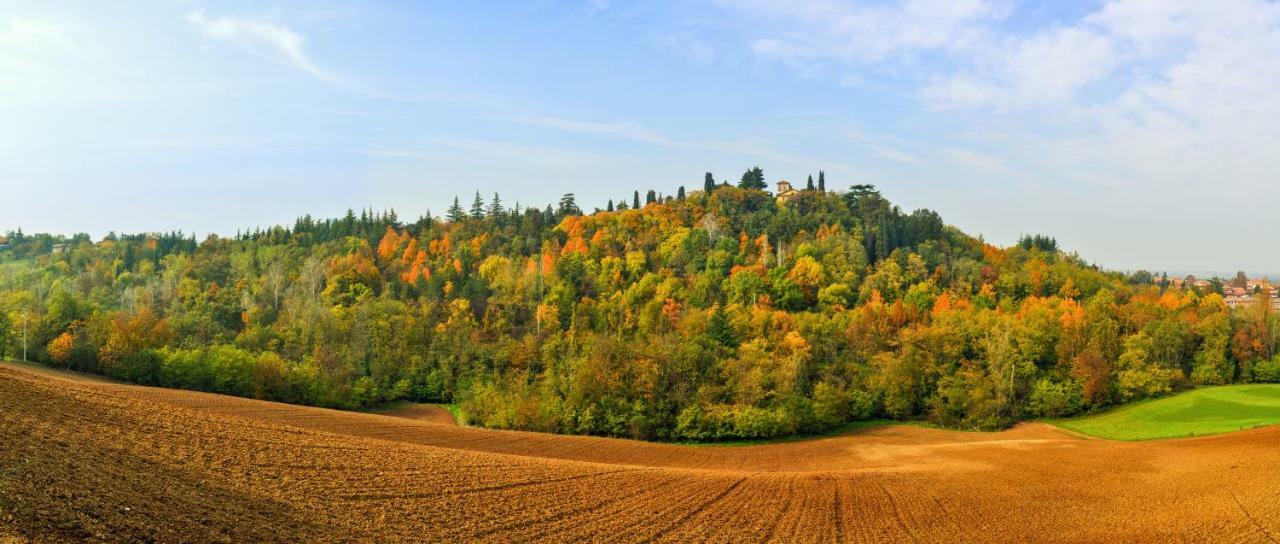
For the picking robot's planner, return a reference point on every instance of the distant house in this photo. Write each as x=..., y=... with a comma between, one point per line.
x=61, y=248
x=785, y=192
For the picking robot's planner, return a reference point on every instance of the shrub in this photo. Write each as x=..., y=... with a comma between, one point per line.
x=1056, y=399
x=1267, y=371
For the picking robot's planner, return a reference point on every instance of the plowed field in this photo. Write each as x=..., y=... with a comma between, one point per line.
x=93, y=460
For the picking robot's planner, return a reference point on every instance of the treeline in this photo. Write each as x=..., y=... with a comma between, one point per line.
x=711, y=314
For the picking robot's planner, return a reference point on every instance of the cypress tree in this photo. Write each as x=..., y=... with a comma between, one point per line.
x=708, y=183
x=635, y=200
x=809, y=185
x=680, y=193
x=610, y=208
x=822, y=181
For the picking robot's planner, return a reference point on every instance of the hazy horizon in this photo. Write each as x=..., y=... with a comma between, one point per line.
x=1138, y=134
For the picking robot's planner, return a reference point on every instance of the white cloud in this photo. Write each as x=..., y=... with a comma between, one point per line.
x=978, y=161
x=828, y=29
x=1042, y=69
x=894, y=154
x=262, y=38
x=623, y=130
x=27, y=45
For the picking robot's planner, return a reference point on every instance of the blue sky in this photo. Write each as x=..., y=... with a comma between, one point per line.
x=1139, y=133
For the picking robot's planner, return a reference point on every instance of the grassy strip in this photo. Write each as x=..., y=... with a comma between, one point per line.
x=1201, y=412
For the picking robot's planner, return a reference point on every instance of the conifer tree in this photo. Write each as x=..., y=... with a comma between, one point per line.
x=610, y=208
x=635, y=200
x=752, y=179
x=477, y=207
x=822, y=181
x=680, y=193
x=809, y=186
x=709, y=183
x=495, y=207
x=455, y=213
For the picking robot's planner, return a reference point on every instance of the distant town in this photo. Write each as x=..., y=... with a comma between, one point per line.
x=1240, y=291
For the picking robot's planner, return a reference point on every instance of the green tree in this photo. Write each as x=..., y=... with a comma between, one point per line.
x=455, y=213
x=809, y=184
x=635, y=200
x=753, y=178
x=708, y=183
x=495, y=207
x=477, y=207
x=568, y=206
x=822, y=181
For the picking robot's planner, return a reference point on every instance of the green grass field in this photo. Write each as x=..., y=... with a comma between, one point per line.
x=1205, y=411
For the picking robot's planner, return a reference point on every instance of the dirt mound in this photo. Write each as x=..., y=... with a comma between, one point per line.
x=84, y=460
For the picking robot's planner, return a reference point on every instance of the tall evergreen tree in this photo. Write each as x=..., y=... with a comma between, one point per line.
x=650, y=197
x=822, y=181
x=635, y=200
x=809, y=185
x=455, y=213
x=495, y=207
x=680, y=193
x=477, y=207
x=708, y=183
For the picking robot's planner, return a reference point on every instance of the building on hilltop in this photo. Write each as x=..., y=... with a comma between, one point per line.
x=785, y=192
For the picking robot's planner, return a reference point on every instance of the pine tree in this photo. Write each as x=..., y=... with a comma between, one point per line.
x=455, y=213
x=809, y=186
x=495, y=207
x=720, y=330
x=753, y=179
x=822, y=181
x=477, y=207
x=708, y=183
x=569, y=206
x=610, y=208
x=680, y=193
x=650, y=197
x=635, y=200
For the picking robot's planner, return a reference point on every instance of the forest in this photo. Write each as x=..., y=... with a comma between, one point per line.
x=712, y=314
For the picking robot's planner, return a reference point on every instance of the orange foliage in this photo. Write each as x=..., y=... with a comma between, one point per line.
x=390, y=244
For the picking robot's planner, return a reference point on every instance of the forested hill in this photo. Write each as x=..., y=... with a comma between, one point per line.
x=716, y=314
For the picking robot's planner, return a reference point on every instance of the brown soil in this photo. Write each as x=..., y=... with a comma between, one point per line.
x=92, y=460
x=429, y=413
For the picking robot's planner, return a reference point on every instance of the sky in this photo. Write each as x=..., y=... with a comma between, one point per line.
x=1140, y=134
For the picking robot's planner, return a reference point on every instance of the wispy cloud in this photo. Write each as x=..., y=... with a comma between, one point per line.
x=623, y=130
x=483, y=150
x=26, y=44
x=273, y=41
x=892, y=154
x=826, y=29
x=975, y=160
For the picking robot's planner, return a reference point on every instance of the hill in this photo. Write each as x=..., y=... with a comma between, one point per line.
x=719, y=314
x=1194, y=413
x=100, y=461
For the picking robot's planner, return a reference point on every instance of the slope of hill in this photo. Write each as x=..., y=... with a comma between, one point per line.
x=721, y=314
x=1194, y=413
x=83, y=460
